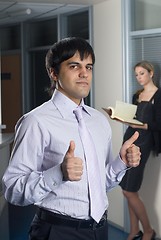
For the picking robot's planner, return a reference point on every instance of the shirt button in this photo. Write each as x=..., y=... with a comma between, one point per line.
x=54, y=184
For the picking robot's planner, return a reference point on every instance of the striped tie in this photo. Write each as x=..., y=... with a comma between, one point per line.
x=97, y=205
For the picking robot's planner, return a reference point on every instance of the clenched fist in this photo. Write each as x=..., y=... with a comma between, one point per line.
x=72, y=167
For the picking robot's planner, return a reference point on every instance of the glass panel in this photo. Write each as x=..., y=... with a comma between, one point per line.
x=10, y=38
x=146, y=48
x=78, y=25
x=39, y=80
x=43, y=33
x=146, y=14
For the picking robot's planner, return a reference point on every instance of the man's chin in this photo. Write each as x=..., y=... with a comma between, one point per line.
x=85, y=94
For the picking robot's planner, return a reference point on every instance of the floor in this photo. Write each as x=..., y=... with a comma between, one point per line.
x=116, y=234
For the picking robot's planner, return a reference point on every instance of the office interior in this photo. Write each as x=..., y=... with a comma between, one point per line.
x=122, y=32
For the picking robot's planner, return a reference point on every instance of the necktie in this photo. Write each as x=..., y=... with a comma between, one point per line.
x=97, y=207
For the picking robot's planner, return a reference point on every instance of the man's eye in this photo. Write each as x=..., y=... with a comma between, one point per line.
x=73, y=66
x=90, y=67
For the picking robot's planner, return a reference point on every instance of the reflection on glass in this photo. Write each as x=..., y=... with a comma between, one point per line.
x=141, y=10
x=78, y=25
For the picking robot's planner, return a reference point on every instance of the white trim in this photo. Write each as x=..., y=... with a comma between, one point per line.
x=147, y=32
x=126, y=22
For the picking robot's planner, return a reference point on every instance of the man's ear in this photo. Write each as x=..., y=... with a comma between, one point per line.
x=53, y=75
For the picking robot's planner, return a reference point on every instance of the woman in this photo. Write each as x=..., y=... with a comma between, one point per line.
x=148, y=101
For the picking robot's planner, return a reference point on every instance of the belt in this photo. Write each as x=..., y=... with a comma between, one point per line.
x=63, y=220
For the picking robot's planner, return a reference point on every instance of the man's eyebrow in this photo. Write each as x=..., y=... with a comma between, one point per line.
x=77, y=63
x=73, y=63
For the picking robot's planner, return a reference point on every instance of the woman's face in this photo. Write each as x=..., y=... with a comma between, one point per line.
x=143, y=76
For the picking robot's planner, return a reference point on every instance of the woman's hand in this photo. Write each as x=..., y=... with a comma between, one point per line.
x=144, y=126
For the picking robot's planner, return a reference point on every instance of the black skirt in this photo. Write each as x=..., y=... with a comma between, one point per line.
x=133, y=177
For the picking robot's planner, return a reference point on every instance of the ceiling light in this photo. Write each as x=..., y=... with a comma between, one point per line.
x=20, y=12
x=23, y=12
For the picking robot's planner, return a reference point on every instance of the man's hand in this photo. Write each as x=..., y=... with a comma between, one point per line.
x=72, y=167
x=130, y=153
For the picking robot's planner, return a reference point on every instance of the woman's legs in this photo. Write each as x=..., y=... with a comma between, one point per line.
x=137, y=212
x=134, y=223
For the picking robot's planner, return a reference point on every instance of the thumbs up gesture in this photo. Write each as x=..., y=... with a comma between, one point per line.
x=72, y=167
x=130, y=153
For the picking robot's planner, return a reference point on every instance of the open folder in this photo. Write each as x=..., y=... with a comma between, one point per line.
x=124, y=112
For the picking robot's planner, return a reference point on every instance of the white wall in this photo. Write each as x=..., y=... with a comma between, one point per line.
x=150, y=191
x=108, y=80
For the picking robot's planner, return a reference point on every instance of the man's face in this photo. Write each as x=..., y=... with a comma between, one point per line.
x=75, y=76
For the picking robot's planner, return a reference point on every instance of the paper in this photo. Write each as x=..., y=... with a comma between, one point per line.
x=124, y=112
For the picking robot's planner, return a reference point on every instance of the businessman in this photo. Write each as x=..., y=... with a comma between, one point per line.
x=62, y=158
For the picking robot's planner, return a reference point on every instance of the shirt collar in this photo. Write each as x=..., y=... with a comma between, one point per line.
x=65, y=105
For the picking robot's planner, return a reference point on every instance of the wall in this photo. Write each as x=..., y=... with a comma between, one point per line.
x=4, y=221
x=108, y=80
x=5, y=141
x=150, y=191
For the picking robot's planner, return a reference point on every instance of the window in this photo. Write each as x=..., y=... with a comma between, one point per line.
x=10, y=38
x=31, y=40
x=43, y=33
x=78, y=25
x=142, y=38
x=71, y=24
x=141, y=41
x=146, y=14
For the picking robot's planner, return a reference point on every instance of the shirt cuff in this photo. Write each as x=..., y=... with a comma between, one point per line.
x=53, y=177
x=119, y=167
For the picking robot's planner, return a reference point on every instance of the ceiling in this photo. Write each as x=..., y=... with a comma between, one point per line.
x=20, y=11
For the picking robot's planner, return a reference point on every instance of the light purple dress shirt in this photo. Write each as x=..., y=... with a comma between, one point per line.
x=41, y=141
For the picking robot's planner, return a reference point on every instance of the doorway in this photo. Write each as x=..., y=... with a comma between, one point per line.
x=11, y=91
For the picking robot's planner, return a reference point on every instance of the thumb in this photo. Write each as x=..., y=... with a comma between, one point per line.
x=131, y=140
x=71, y=149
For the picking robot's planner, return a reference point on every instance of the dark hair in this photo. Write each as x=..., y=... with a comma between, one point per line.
x=63, y=50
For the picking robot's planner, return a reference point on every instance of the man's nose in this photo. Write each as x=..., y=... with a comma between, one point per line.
x=83, y=72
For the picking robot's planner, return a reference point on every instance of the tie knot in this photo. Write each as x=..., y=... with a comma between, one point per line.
x=78, y=113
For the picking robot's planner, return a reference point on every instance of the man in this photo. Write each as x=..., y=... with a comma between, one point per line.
x=49, y=166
